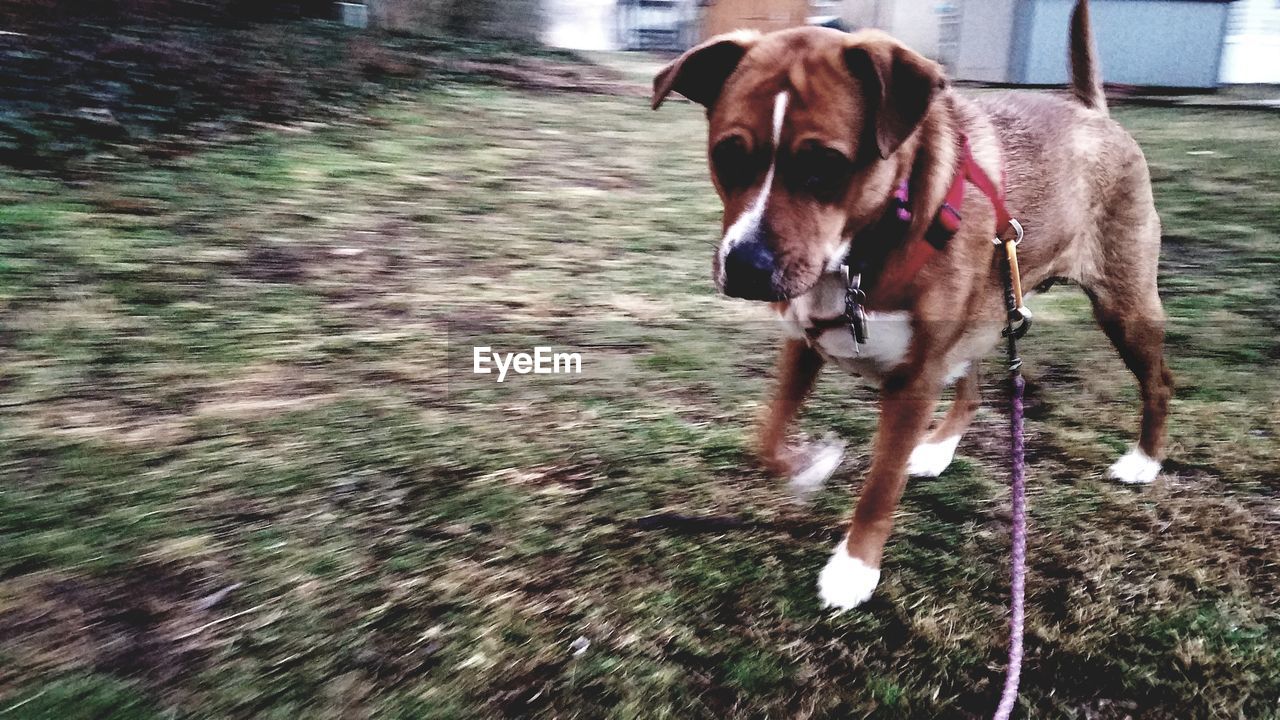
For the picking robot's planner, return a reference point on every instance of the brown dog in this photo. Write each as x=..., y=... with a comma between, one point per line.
x=834, y=155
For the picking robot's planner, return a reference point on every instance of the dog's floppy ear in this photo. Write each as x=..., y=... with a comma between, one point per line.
x=899, y=82
x=700, y=73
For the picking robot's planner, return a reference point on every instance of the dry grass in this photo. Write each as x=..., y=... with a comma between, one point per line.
x=238, y=443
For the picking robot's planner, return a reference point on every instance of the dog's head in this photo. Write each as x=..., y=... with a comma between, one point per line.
x=810, y=130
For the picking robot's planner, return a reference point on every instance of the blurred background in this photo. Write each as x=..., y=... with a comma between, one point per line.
x=247, y=249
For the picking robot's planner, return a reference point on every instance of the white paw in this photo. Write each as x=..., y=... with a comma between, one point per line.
x=930, y=459
x=1135, y=468
x=846, y=582
x=824, y=458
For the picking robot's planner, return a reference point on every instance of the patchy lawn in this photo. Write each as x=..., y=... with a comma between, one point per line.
x=244, y=472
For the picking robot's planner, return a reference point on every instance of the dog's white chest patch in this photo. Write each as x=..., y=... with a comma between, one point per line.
x=888, y=334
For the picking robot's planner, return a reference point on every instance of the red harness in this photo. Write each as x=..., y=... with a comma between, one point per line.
x=947, y=222
x=920, y=251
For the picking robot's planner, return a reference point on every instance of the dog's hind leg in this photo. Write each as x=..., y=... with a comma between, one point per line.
x=931, y=457
x=1133, y=318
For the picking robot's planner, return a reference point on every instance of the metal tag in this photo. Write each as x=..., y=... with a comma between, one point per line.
x=855, y=311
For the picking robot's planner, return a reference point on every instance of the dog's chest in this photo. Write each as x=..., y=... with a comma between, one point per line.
x=888, y=334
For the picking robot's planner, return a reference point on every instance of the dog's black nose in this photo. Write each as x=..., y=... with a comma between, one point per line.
x=748, y=271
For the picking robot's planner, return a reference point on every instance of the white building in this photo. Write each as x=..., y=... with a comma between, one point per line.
x=581, y=24
x=915, y=22
x=1251, y=53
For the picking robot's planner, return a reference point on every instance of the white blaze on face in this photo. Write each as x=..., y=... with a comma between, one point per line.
x=749, y=220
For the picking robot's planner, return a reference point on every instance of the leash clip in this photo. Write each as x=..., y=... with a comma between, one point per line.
x=1019, y=317
x=855, y=311
x=1019, y=323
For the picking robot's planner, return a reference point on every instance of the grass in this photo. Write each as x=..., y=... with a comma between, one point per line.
x=244, y=471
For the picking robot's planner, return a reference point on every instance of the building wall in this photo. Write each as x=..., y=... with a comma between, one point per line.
x=986, y=30
x=914, y=22
x=581, y=24
x=865, y=13
x=1172, y=43
x=723, y=16
x=1252, y=50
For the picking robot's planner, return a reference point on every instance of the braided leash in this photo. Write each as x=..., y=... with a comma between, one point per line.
x=1018, y=323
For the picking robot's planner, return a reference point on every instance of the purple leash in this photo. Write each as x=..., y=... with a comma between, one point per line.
x=1018, y=323
x=1019, y=570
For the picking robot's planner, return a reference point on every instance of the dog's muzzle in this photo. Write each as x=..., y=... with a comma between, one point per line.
x=749, y=272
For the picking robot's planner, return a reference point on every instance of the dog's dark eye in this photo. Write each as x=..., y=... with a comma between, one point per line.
x=819, y=171
x=734, y=165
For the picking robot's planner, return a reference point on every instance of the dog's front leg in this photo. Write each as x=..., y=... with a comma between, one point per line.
x=809, y=466
x=906, y=407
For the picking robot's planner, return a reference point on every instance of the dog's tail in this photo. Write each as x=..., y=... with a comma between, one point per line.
x=1086, y=79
